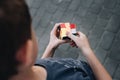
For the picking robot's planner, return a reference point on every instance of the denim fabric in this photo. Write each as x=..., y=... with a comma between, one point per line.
x=66, y=69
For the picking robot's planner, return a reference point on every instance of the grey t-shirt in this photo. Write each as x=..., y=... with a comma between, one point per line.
x=66, y=69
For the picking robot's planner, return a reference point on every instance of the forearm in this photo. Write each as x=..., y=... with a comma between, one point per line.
x=98, y=70
x=49, y=52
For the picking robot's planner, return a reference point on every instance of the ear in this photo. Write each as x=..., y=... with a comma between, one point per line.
x=24, y=53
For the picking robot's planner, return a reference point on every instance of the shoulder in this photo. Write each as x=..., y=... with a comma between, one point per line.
x=40, y=71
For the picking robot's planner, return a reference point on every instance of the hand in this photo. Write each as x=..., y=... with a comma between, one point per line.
x=54, y=41
x=80, y=41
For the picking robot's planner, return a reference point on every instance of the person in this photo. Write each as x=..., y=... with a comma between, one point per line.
x=18, y=50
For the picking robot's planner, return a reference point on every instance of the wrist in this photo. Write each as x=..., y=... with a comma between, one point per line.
x=49, y=51
x=87, y=51
x=51, y=46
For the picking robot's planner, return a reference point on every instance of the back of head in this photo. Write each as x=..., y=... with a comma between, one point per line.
x=15, y=30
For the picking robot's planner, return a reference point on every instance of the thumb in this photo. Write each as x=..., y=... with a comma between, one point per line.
x=62, y=41
x=70, y=35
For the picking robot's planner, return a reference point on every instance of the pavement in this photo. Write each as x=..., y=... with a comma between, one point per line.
x=98, y=19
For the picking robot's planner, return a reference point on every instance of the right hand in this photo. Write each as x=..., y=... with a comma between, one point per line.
x=81, y=41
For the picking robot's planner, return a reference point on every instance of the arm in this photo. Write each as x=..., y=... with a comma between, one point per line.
x=98, y=69
x=82, y=42
x=49, y=52
x=53, y=43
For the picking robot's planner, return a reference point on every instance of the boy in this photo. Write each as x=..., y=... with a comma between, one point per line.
x=18, y=48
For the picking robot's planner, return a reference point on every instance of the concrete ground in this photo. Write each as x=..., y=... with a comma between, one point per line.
x=98, y=19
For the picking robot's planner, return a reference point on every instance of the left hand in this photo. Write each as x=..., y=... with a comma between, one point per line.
x=54, y=41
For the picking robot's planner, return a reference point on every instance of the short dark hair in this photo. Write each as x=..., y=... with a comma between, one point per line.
x=15, y=30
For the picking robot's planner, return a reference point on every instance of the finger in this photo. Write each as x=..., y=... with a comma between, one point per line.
x=62, y=41
x=80, y=33
x=55, y=28
x=73, y=44
x=70, y=35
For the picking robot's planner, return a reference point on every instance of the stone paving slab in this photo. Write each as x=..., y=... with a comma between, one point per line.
x=111, y=5
x=107, y=40
x=111, y=66
x=114, y=24
x=115, y=50
x=105, y=14
x=101, y=54
x=98, y=19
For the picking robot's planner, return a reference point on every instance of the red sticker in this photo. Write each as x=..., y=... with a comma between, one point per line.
x=72, y=26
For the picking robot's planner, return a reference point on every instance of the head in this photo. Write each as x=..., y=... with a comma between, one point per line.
x=18, y=45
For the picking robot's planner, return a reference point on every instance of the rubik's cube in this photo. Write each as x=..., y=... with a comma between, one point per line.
x=64, y=27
